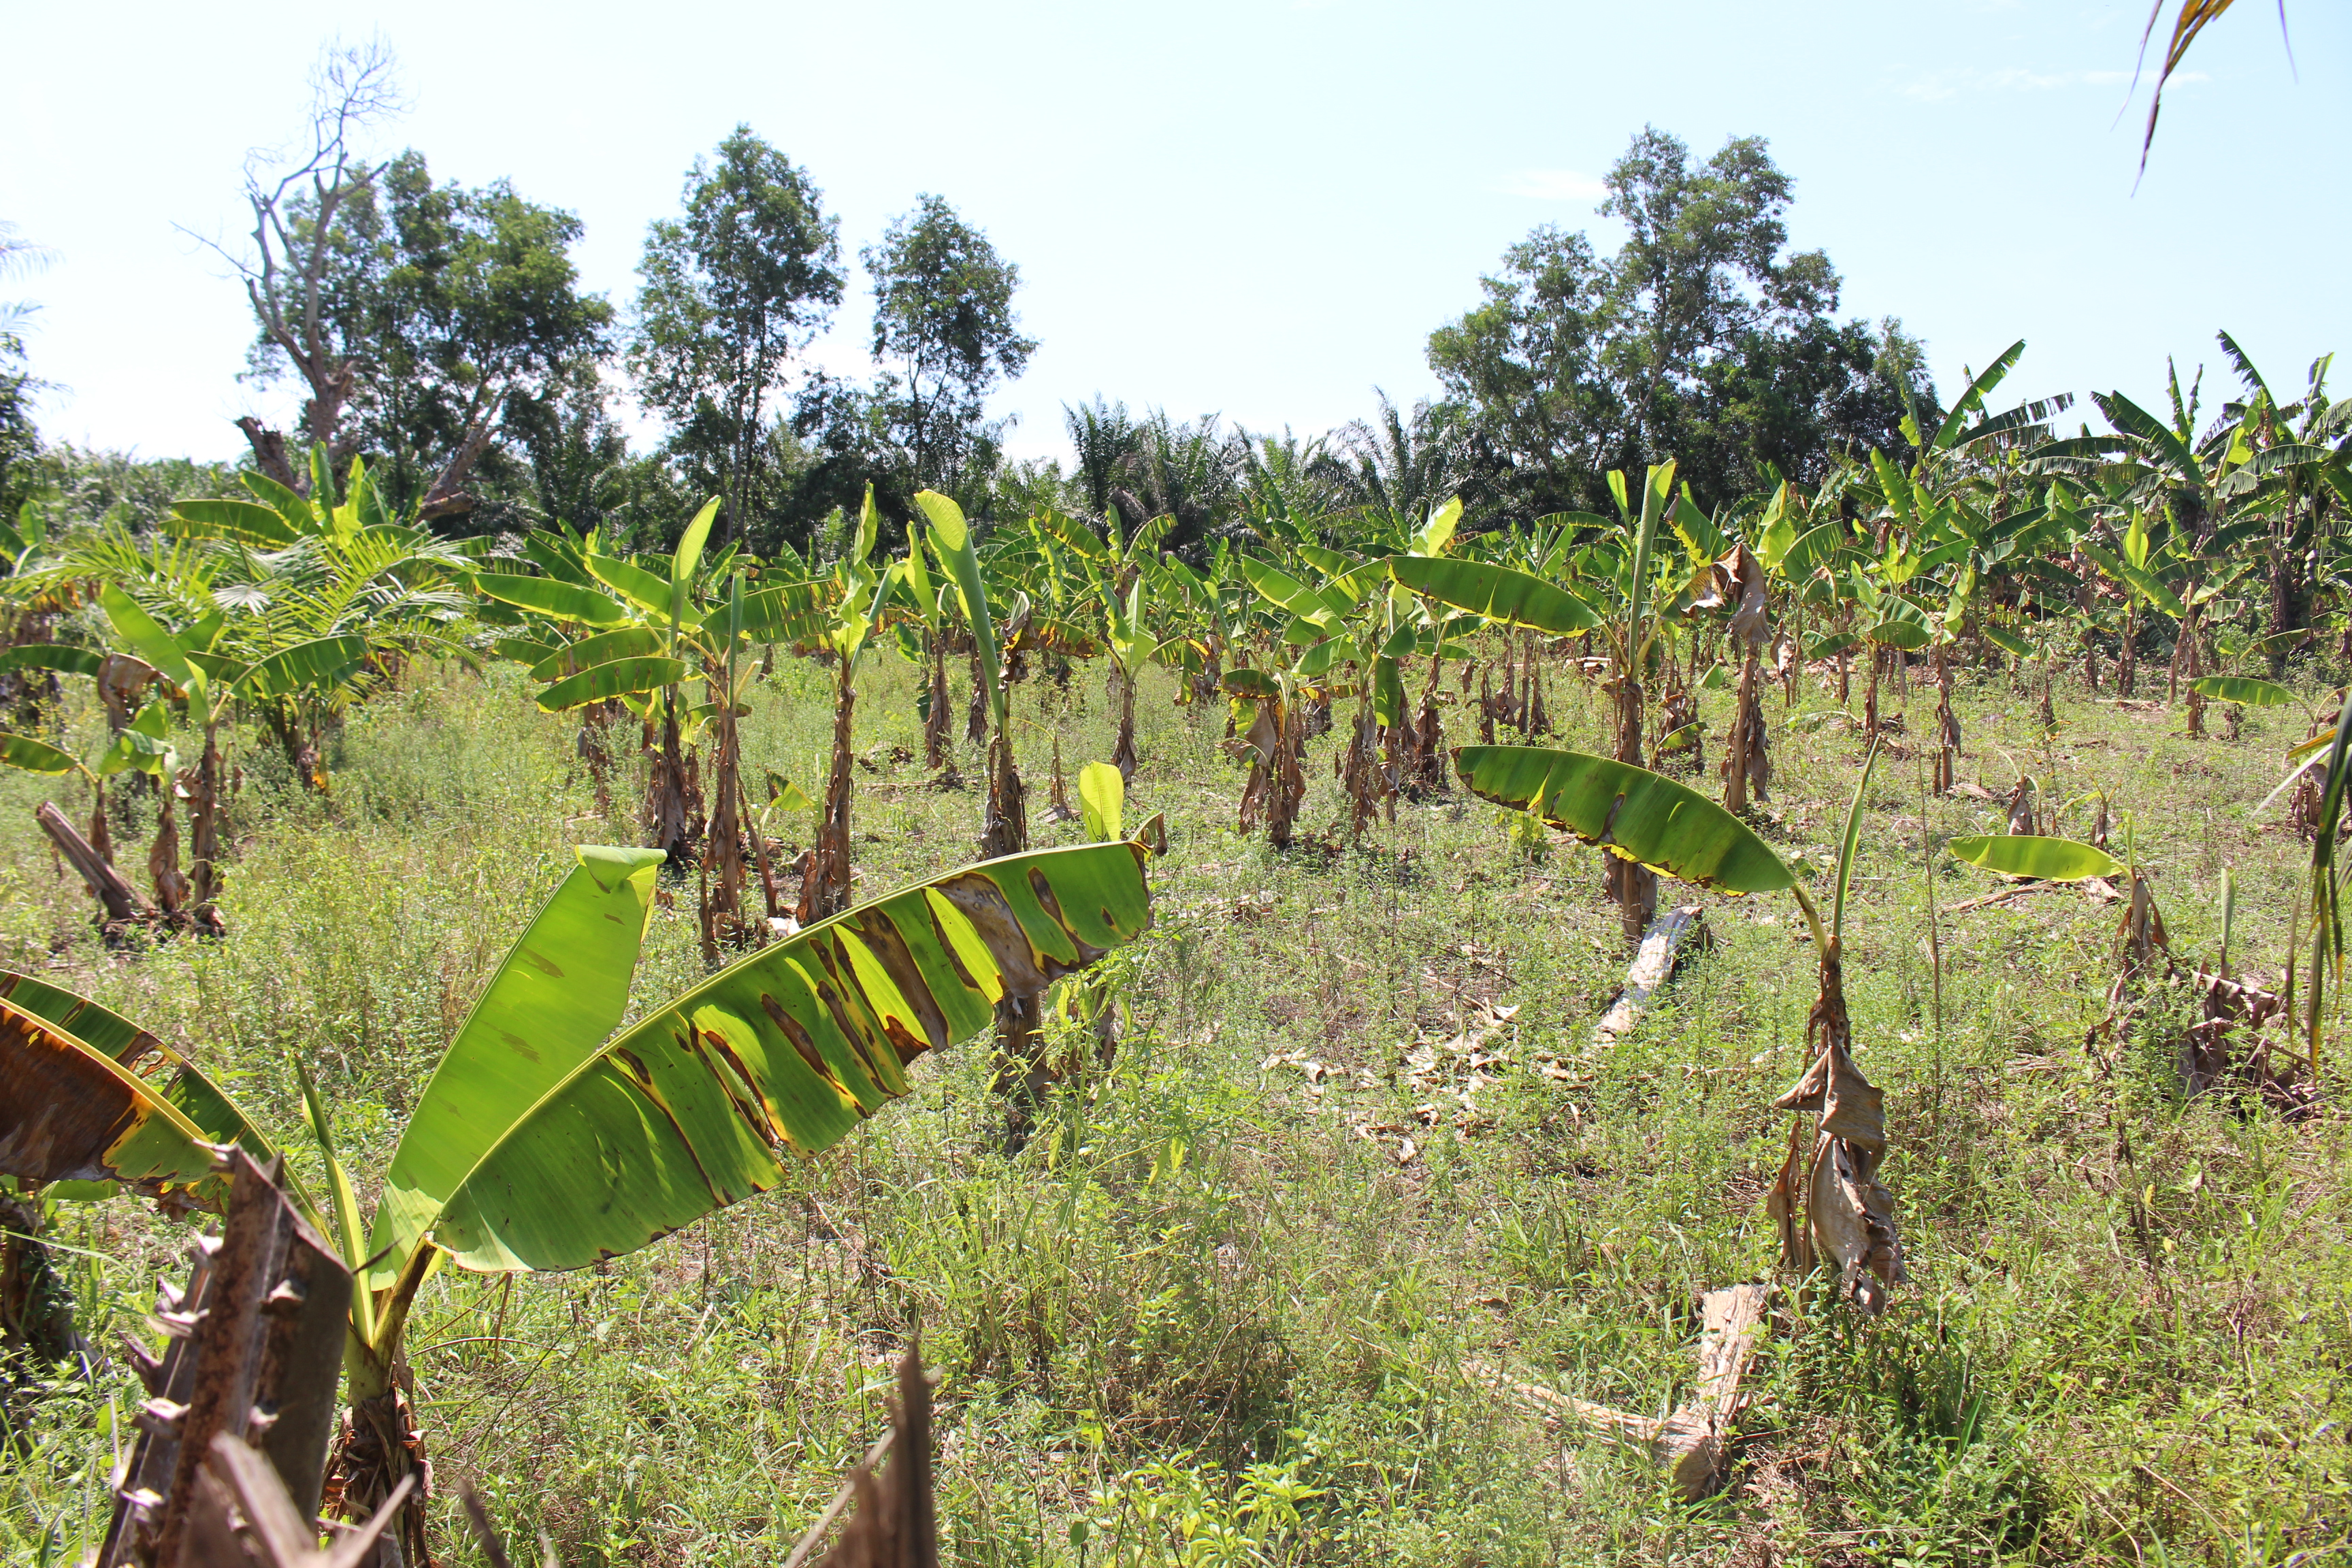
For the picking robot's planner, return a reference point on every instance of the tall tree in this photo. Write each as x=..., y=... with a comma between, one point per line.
x=20, y=442
x=733, y=289
x=944, y=322
x=1702, y=338
x=301, y=251
x=466, y=313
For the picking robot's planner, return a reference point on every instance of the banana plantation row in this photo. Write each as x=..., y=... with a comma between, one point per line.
x=1990, y=547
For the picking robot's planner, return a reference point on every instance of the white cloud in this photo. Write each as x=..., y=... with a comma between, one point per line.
x=1550, y=185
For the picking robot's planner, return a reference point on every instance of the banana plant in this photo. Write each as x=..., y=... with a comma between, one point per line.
x=1508, y=597
x=854, y=619
x=1828, y=1206
x=545, y=1141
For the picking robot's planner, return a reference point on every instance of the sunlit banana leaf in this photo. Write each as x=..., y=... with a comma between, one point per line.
x=625, y=642
x=796, y=612
x=315, y=666
x=558, y=601
x=621, y=676
x=2245, y=689
x=71, y=1113
x=175, y=1080
x=2044, y=860
x=783, y=1053
x=50, y=655
x=244, y=521
x=148, y=640
x=562, y=990
x=35, y=756
x=1505, y=596
x=2009, y=641
x=1629, y=811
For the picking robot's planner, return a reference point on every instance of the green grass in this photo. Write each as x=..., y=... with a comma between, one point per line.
x=1216, y=1295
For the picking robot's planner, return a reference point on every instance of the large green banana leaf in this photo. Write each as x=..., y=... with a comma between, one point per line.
x=557, y=601
x=784, y=1053
x=570, y=658
x=35, y=756
x=315, y=666
x=1501, y=595
x=51, y=655
x=243, y=522
x=560, y=992
x=2046, y=859
x=620, y=678
x=2243, y=689
x=1629, y=811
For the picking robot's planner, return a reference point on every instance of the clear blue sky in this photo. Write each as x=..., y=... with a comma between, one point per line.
x=1259, y=210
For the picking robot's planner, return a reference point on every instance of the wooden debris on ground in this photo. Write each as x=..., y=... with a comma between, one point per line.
x=1691, y=1444
x=1653, y=965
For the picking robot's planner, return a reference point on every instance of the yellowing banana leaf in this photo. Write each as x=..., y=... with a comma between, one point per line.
x=621, y=676
x=243, y=522
x=176, y=1081
x=35, y=756
x=796, y=612
x=71, y=1113
x=1102, y=799
x=2044, y=860
x=1629, y=811
x=50, y=655
x=316, y=666
x=1506, y=597
x=952, y=540
x=561, y=991
x=782, y=1054
x=2244, y=690
x=623, y=642
x=557, y=601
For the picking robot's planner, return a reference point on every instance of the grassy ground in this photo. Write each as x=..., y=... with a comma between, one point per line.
x=1224, y=1306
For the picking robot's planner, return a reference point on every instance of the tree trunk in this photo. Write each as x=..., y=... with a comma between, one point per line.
x=205, y=879
x=723, y=925
x=936, y=753
x=117, y=898
x=1632, y=885
x=667, y=815
x=975, y=723
x=1122, y=754
x=825, y=890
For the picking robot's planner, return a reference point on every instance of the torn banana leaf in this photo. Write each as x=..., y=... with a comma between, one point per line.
x=784, y=1053
x=70, y=1113
x=1500, y=594
x=162, y=1071
x=1629, y=811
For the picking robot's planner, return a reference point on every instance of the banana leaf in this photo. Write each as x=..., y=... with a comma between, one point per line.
x=1501, y=595
x=177, y=1082
x=557, y=601
x=35, y=756
x=1629, y=811
x=242, y=522
x=625, y=642
x=2044, y=859
x=71, y=1113
x=562, y=989
x=2243, y=689
x=50, y=655
x=783, y=1053
x=619, y=678
x=316, y=666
